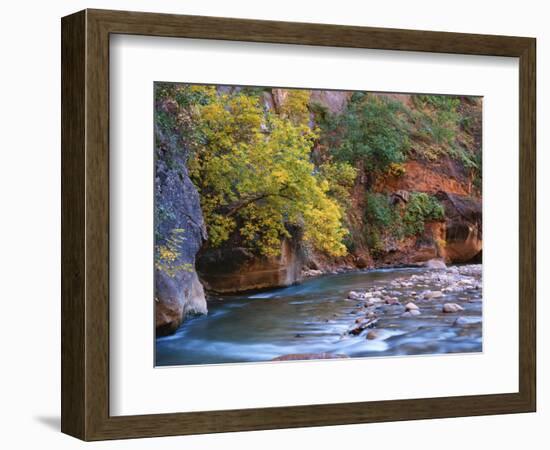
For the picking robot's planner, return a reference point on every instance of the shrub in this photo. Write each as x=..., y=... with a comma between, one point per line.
x=374, y=241
x=396, y=169
x=373, y=129
x=421, y=208
x=378, y=211
x=437, y=118
x=382, y=220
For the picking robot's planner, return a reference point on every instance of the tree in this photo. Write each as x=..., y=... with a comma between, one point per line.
x=253, y=171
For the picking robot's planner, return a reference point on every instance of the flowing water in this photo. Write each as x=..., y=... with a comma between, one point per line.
x=317, y=316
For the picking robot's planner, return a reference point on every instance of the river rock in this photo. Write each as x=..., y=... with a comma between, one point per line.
x=435, y=264
x=373, y=334
x=411, y=313
x=433, y=294
x=354, y=295
x=361, y=262
x=460, y=322
x=309, y=273
x=411, y=306
x=452, y=308
x=307, y=356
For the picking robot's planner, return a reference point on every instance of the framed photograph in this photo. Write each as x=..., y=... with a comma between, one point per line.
x=273, y=225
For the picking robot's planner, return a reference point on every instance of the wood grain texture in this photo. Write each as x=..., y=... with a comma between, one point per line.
x=85, y=224
x=73, y=227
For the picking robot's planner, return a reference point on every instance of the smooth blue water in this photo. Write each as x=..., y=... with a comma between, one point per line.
x=316, y=316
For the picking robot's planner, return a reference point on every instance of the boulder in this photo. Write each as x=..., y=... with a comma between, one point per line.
x=177, y=298
x=435, y=264
x=310, y=273
x=463, y=227
x=400, y=195
x=235, y=269
x=452, y=308
x=354, y=295
x=373, y=334
x=361, y=262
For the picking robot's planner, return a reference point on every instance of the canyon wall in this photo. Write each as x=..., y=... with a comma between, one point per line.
x=178, y=290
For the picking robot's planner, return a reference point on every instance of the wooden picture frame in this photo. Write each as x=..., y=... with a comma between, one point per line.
x=85, y=224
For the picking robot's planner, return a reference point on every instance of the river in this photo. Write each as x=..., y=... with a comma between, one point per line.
x=317, y=316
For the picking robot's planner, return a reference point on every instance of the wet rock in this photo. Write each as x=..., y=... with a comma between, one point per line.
x=354, y=295
x=452, y=308
x=392, y=301
x=308, y=356
x=233, y=268
x=433, y=294
x=460, y=322
x=373, y=334
x=411, y=313
x=411, y=306
x=309, y=273
x=435, y=264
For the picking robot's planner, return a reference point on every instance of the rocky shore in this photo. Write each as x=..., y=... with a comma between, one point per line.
x=402, y=297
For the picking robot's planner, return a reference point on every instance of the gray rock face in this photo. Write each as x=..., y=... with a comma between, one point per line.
x=178, y=293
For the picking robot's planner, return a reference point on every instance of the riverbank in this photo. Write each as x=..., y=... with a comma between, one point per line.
x=384, y=312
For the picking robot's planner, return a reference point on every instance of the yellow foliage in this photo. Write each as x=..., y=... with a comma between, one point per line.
x=396, y=169
x=254, y=174
x=167, y=254
x=295, y=106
